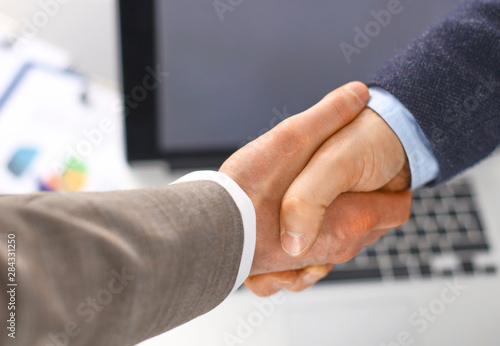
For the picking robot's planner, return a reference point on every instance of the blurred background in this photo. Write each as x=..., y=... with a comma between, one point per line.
x=88, y=30
x=60, y=104
x=61, y=129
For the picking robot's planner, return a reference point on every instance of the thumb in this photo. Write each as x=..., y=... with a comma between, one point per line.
x=363, y=156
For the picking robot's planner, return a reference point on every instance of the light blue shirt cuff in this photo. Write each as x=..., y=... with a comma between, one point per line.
x=423, y=164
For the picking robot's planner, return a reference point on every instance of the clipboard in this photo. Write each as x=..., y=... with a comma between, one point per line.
x=48, y=135
x=31, y=66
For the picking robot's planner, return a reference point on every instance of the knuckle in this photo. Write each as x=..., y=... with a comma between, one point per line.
x=288, y=140
x=338, y=104
x=295, y=204
x=349, y=241
x=304, y=208
x=285, y=130
x=359, y=225
x=367, y=223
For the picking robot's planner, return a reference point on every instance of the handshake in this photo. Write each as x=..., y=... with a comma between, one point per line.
x=324, y=183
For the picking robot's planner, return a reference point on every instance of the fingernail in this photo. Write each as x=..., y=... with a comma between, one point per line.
x=294, y=244
x=310, y=278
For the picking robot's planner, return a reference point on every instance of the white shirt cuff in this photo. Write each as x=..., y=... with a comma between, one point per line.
x=423, y=164
x=248, y=217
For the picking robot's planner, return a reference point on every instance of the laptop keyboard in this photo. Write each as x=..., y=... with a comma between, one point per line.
x=444, y=237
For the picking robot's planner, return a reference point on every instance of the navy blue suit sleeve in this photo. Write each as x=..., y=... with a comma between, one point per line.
x=449, y=79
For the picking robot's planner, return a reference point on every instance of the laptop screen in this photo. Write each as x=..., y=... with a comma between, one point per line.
x=238, y=67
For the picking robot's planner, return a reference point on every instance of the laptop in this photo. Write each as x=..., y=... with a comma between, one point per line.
x=202, y=78
x=433, y=281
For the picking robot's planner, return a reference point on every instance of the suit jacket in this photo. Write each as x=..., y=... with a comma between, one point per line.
x=449, y=79
x=116, y=268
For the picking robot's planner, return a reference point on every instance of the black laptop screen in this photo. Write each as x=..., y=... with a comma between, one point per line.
x=238, y=67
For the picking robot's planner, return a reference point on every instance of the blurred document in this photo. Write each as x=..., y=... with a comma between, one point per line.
x=53, y=138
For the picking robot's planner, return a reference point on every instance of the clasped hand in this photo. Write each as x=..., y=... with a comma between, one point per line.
x=324, y=183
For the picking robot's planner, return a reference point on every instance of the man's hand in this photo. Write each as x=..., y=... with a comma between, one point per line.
x=365, y=155
x=352, y=221
x=267, y=167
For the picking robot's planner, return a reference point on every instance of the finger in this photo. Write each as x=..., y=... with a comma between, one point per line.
x=294, y=140
x=267, y=284
x=401, y=181
x=301, y=135
x=281, y=154
x=315, y=125
x=373, y=236
x=362, y=212
x=360, y=157
x=352, y=218
x=309, y=276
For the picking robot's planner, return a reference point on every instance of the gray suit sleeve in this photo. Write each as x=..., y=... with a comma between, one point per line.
x=116, y=268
